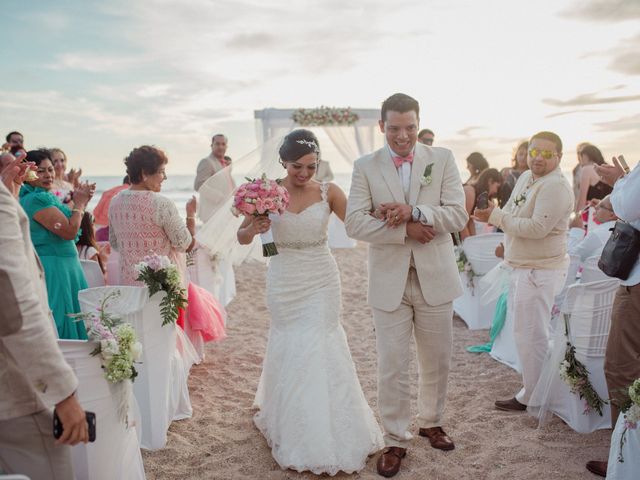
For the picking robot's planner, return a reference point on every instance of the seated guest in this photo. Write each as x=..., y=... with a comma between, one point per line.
x=595, y=239
x=33, y=373
x=86, y=244
x=476, y=164
x=489, y=182
x=591, y=187
x=54, y=228
x=63, y=180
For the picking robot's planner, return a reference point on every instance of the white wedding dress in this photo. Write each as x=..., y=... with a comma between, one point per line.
x=312, y=411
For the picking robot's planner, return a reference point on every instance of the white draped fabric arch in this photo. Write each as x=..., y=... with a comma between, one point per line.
x=351, y=141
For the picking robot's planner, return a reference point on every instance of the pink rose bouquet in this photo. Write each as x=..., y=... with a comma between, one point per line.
x=261, y=196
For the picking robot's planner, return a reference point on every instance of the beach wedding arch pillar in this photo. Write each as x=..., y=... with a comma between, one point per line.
x=354, y=132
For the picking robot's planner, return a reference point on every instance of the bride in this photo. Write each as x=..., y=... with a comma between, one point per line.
x=312, y=411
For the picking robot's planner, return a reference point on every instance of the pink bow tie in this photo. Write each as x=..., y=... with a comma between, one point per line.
x=398, y=161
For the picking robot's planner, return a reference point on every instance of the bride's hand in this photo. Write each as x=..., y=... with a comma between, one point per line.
x=260, y=224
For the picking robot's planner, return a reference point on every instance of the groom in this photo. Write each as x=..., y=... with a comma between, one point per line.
x=405, y=201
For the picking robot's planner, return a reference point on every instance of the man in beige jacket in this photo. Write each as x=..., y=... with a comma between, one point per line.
x=33, y=373
x=405, y=201
x=535, y=222
x=214, y=162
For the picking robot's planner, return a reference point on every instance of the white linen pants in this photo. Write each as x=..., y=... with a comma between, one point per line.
x=531, y=295
x=432, y=328
x=27, y=447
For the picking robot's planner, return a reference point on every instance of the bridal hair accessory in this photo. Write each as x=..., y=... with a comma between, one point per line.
x=309, y=143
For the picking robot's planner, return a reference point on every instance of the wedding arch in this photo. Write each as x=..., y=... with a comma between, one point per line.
x=353, y=131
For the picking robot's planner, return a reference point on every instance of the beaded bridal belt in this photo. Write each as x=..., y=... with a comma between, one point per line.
x=302, y=245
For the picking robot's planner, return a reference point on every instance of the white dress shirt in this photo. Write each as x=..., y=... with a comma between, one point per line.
x=592, y=243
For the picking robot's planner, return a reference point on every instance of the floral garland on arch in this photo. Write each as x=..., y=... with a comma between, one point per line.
x=117, y=346
x=574, y=373
x=318, y=117
x=631, y=411
x=159, y=274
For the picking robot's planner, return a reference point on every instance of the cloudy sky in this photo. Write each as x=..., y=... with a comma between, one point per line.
x=99, y=78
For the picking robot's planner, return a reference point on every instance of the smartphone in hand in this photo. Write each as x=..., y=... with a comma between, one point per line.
x=482, y=201
x=58, y=428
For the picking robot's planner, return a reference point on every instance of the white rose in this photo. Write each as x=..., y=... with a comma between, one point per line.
x=109, y=349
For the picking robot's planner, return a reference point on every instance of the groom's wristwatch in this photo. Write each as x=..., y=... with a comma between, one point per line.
x=416, y=214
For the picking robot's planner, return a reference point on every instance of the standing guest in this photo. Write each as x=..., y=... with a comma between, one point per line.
x=54, y=228
x=101, y=210
x=63, y=181
x=142, y=222
x=405, y=200
x=476, y=164
x=622, y=357
x=33, y=373
x=15, y=143
x=426, y=137
x=535, y=223
x=489, y=182
x=591, y=187
x=511, y=174
x=214, y=162
x=576, y=172
x=86, y=244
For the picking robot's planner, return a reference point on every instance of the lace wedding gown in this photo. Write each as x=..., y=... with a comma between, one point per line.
x=312, y=411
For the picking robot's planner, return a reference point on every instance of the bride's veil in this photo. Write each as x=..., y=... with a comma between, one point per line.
x=218, y=234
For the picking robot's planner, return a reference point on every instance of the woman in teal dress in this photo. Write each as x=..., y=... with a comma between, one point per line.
x=54, y=228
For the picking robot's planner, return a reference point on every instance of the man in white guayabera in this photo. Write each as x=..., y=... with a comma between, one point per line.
x=535, y=222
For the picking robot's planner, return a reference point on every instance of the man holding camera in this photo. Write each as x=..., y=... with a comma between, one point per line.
x=33, y=373
x=535, y=222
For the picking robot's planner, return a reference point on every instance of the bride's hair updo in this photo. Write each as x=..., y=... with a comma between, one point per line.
x=297, y=144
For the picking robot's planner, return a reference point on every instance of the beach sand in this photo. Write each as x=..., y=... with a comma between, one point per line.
x=221, y=442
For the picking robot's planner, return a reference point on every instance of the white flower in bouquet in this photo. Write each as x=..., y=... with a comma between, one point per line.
x=136, y=351
x=109, y=348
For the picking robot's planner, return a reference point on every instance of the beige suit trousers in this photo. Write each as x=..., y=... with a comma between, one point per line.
x=432, y=328
x=27, y=447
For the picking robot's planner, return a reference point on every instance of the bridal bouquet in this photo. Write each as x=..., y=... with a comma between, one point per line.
x=159, y=274
x=261, y=196
x=117, y=346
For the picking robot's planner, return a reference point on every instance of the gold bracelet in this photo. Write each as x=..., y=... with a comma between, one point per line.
x=81, y=212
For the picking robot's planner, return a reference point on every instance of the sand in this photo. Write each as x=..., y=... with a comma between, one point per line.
x=221, y=442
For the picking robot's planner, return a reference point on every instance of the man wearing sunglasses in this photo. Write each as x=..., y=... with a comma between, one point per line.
x=535, y=222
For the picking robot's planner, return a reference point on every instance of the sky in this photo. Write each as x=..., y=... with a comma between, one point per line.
x=98, y=78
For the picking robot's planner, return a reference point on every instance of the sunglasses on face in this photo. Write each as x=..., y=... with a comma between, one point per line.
x=546, y=154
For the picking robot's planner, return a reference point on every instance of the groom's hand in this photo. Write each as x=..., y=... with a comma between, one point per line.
x=420, y=232
x=396, y=213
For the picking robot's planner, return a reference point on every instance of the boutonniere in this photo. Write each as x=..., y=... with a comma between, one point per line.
x=426, y=175
x=519, y=200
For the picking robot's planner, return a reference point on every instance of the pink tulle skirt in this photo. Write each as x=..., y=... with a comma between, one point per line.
x=204, y=314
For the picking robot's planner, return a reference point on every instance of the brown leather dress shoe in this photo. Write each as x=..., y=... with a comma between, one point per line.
x=437, y=437
x=511, y=405
x=599, y=468
x=389, y=461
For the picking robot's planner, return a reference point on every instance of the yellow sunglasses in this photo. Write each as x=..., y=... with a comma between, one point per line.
x=546, y=154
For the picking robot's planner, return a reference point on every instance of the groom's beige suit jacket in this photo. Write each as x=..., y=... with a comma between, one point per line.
x=375, y=180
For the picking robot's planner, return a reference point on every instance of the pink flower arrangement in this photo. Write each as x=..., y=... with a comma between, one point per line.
x=260, y=196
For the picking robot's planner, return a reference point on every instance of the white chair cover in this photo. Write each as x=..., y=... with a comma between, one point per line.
x=93, y=273
x=572, y=277
x=630, y=468
x=113, y=268
x=589, y=306
x=219, y=278
x=591, y=272
x=504, y=346
x=338, y=237
x=116, y=452
x=161, y=386
x=480, y=251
